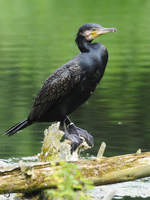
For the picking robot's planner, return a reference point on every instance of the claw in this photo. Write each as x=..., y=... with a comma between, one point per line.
x=75, y=141
x=75, y=145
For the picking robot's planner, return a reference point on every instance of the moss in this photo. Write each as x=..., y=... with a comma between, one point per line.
x=70, y=184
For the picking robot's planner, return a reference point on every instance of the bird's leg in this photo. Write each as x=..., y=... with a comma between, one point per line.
x=75, y=134
x=62, y=125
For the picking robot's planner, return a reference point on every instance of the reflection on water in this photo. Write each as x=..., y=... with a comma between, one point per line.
x=35, y=39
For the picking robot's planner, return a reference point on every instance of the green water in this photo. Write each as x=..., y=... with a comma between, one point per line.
x=36, y=37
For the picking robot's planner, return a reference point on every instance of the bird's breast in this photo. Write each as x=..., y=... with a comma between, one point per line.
x=93, y=64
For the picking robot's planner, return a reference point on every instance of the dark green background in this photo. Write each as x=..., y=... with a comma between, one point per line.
x=36, y=37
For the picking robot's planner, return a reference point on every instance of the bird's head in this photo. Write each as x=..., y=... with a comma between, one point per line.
x=91, y=31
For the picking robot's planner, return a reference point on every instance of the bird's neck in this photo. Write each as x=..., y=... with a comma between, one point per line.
x=83, y=44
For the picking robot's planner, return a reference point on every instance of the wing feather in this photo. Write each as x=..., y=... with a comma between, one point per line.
x=55, y=88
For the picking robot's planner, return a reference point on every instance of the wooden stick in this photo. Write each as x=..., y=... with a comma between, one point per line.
x=101, y=150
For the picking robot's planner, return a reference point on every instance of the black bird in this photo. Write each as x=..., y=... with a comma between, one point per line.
x=70, y=86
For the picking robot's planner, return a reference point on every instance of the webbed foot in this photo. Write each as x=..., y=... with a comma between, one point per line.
x=77, y=136
x=81, y=133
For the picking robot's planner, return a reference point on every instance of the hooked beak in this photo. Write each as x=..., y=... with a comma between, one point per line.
x=92, y=34
x=101, y=31
x=106, y=30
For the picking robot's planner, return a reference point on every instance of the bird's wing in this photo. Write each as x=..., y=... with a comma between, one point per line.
x=55, y=88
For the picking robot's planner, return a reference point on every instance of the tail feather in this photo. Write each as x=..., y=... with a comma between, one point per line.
x=18, y=127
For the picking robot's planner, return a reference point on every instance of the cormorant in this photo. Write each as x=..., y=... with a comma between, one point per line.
x=70, y=86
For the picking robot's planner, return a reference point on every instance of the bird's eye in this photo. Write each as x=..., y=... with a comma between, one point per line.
x=94, y=29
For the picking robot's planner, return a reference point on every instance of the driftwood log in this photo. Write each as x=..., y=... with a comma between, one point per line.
x=101, y=170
